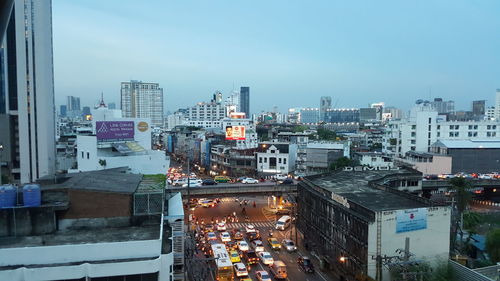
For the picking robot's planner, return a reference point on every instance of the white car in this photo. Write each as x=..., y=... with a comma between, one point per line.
x=266, y=258
x=257, y=246
x=211, y=236
x=193, y=183
x=243, y=246
x=225, y=237
x=281, y=177
x=250, y=228
x=249, y=180
x=263, y=276
x=240, y=269
x=289, y=245
x=179, y=182
x=221, y=226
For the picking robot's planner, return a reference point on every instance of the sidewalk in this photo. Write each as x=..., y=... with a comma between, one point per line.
x=327, y=275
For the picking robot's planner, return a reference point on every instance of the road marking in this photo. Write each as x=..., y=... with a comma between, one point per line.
x=321, y=275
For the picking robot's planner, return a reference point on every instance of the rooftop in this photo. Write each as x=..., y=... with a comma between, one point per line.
x=109, y=180
x=359, y=187
x=468, y=143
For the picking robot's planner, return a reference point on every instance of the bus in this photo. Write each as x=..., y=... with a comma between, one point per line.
x=223, y=264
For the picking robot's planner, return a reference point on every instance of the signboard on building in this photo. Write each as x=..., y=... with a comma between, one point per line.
x=235, y=132
x=411, y=220
x=109, y=131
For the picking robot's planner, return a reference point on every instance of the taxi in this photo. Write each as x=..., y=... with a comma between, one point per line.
x=274, y=243
x=235, y=257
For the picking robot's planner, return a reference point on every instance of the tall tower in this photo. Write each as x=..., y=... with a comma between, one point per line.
x=325, y=103
x=27, y=118
x=245, y=101
x=142, y=100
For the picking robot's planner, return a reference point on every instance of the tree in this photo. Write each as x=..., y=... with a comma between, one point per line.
x=461, y=198
x=299, y=129
x=342, y=162
x=324, y=134
x=493, y=245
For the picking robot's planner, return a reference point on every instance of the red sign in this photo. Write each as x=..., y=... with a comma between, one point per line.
x=235, y=132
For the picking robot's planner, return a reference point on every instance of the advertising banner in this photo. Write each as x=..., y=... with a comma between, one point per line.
x=235, y=132
x=109, y=131
x=411, y=220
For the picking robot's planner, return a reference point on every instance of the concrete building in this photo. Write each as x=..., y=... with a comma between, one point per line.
x=245, y=101
x=479, y=108
x=325, y=103
x=276, y=158
x=373, y=159
x=362, y=214
x=367, y=114
x=206, y=111
x=490, y=113
x=309, y=115
x=94, y=226
x=142, y=100
x=342, y=115
x=395, y=113
x=443, y=107
x=470, y=156
x=425, y=126
x=425, y=162
x=27, y=110
x=63, y=110
x=320, y=155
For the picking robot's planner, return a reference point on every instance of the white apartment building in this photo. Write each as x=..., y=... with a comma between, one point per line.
x=206, y=111
x=142, y=100
x=276, y=158
x=27, y=117
x=425, y=126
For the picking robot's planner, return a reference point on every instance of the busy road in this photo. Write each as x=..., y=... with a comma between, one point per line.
x=249, y=219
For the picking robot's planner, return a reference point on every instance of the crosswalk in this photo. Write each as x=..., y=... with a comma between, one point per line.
x=259, y=224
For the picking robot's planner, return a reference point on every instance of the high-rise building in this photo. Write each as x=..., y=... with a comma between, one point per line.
x=62, y=110
x=142, y=100
x=497, y=105
x=111, y=105
x=479, y=107
x=325, y=103
x=27, y=116
x=443, y=107
x=86, y=110
x=73, y=103
x=245, y=101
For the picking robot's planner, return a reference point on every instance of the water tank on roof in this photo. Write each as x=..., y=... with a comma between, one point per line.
x=7, y=196
x=32, y=196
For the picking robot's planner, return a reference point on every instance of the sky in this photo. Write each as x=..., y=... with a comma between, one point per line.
x=290, y=53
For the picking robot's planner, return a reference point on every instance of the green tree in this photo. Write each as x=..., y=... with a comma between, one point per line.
x=462, y=196
x=325, y=134
x=342, y=162
x=493, y=245
x=299, y=129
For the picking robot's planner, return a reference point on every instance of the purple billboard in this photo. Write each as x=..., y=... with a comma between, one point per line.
x=115, y=130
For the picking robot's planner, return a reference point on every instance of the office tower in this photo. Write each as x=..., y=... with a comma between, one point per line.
x=245, y=101
x=85, y=110
x=478, y=107
x=325, y=103
x=111, y=105
x=142, y=100
x=497, y=105
x=443, y=107
x=73, y=103
x=62, y=110
x=27, y=118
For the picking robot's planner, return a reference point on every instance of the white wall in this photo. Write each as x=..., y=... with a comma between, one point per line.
x=375, y=161
x=430, y=244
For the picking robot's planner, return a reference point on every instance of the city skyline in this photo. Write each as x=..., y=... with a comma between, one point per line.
x=393, y=52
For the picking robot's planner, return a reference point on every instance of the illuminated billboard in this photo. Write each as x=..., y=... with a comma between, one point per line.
x=109, y=131
x=235, y=132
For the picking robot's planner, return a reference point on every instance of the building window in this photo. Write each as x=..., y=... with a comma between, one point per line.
x=88, y=155
x=260, y=159
x=494, y=127
x=413, y=141
x=265, y=159
x=451, y=127
x=451, y=134
x=430, y=119
x=273, y=151
x=439, y=127
x=284, y=160
x=488, y=127
x=413, y=127
x=413, y=134
x=279, y=160
x=82, y=155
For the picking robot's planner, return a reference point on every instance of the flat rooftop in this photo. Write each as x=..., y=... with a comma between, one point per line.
x=84, y=236
x=359, y=187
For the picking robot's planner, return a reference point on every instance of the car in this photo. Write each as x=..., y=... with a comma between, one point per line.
x=283, y=212
x=234, y=256
x=257, y=245
x=263, y=275
x=246, y=279
x=266, y=258
x=237, y=234
x=306, y=264
x=249, y=180
x=221, y=226
x=208, y=182
x=289, y=245
x=240, y=269
x=209, y=228
x=193, y=183
x=250, y=228
x=253, y=236
x=287, y=181
x=211, y=236
x=281, y=177
x=243, y=245
x=225, y=237
x=221, y=179
x=230, y=245
x=274, y=243
x=208, y=203
x=250, y=257
x=179, y=182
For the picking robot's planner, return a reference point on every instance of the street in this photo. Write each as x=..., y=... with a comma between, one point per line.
x=263, y=220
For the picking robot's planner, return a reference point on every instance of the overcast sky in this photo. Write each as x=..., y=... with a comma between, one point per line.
x=288, y=52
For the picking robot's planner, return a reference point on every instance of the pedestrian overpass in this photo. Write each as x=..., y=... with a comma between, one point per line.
x=234, y=190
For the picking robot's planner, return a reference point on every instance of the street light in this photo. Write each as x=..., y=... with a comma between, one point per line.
x=1, y=149
x=343, y=259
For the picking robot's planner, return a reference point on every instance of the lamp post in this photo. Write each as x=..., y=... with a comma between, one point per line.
x=1, y=150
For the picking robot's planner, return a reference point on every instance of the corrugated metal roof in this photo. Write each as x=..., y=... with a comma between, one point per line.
x=468, y=143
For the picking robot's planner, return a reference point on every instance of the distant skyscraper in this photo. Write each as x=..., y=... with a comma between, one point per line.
x=62, y=110
x=85, y=110
x=325, y=103
x=111, y=105
x=27, y=119
x=142, y=100
x=245, y=100
x=479, y=107
x=73, y=103
x=443, y=107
